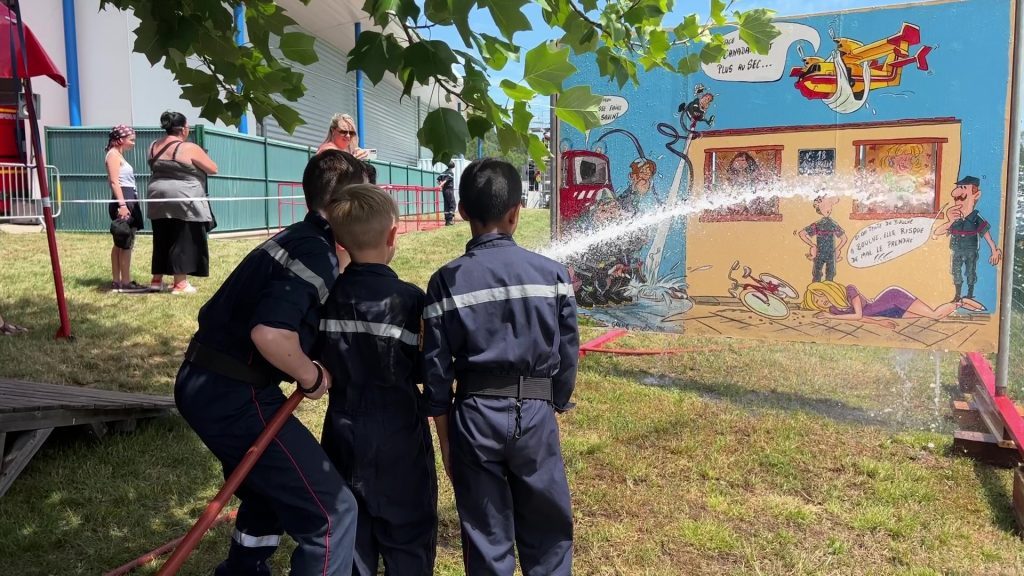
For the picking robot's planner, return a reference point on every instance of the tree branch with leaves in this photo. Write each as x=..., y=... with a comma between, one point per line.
x=625, y=36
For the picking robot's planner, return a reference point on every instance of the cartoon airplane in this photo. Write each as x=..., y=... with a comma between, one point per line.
x=885, y=60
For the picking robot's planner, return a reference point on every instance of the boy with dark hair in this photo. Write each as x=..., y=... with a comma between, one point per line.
x=501, y=321
x=254, y=333
x=376, y=430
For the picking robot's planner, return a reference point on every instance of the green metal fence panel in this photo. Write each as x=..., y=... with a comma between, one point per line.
x=285, y=163
x=248, y=167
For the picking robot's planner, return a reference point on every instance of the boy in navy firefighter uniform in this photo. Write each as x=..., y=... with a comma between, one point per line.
x=254, y=333
x=375, y=430
x=501, y=322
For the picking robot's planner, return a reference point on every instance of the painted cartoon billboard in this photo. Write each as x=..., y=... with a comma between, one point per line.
x=849, y=186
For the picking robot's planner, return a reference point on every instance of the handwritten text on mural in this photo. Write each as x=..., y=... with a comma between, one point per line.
x=611, y=108
x=741, y=64
x=887, y=240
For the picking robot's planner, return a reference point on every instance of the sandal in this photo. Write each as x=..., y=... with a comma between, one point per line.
x=8, y=329
x=133, y=287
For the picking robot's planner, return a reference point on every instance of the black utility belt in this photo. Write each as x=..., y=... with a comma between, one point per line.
x=226, y=365
x=504, y=386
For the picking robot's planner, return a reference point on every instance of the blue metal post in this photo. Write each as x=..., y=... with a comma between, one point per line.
x=479, y=148
x=243, y=127
x=359, y=98
x=71, y=57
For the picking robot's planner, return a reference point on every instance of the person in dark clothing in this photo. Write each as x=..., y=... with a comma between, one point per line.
x=501, y=321
x=447, y=182
x=375, y=430
x=255, y=332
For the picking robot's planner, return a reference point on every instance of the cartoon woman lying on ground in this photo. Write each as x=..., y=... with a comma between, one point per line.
x=837, y=302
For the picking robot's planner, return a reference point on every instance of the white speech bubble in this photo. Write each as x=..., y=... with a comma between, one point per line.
x=611, y=108
x=741, y=64
x=887, y=240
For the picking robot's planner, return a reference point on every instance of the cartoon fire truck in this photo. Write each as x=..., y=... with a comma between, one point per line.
x=586, y=179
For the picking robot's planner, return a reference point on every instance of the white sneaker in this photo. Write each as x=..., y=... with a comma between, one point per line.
x=183, y=289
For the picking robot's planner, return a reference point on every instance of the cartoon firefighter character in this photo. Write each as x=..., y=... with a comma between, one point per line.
x=697, y=110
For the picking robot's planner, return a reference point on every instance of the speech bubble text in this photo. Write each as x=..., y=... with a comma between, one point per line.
x=611, y=108
x=741, y=64
x=887, y=240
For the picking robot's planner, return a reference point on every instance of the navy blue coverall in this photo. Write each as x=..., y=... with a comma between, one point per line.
x=503, y=310
x=227, y=392
x=375, y=430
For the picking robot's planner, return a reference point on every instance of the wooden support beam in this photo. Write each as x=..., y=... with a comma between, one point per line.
x=985, y=448
x=22, y=450
x=1018, y=496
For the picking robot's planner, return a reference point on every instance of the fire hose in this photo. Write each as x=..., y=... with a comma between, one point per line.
x=184, y=546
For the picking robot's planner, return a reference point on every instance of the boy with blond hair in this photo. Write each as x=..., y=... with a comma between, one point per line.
x=375, y=431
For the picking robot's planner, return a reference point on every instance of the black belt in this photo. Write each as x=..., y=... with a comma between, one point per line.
x=504, y=386
x=226, y=365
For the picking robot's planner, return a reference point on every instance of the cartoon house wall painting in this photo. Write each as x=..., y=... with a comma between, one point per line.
x=847, y=187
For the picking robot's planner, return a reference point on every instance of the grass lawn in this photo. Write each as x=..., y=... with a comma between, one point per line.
x=769, y=459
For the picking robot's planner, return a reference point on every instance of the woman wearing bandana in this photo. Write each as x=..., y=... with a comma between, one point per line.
x=125, y=214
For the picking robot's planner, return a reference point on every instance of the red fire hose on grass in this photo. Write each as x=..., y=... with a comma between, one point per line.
x=188, y=543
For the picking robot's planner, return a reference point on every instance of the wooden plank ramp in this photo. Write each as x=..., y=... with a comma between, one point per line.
x=30, y=411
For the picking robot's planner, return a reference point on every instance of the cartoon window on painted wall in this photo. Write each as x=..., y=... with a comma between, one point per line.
x=902, y=178
x=743, y=172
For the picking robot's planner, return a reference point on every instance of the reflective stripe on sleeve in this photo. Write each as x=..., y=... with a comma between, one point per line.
x=498, y=294
x=374, y=328
x=298, y=268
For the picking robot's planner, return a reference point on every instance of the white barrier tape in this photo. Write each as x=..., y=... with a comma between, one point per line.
x=150, y=201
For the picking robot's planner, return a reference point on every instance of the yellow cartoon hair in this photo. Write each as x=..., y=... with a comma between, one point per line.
x=833, y=291
x=915, y=151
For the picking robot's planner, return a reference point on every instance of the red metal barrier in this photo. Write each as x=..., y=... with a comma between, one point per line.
x=415, y=214
x=596, y=346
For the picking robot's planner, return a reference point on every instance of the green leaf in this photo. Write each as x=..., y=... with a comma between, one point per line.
x=689, y=29
x=612, y=66
x=711, y=53
x=580, y=35
x=516, y=91
x=657, y=43
x=509, y=137
x=539, y=152
x=495, y=51
x=445, y=133
x=438, y=11
x=508, y=16
x=378, y=10
x=147, y=41
x=478, y=126
x=521, y=117
x=545, y=69
x=577, y=106
x=757, y=30
x=689, y=65
x=460, y=17
x=287, y=118
x=588, y=5
x=299, y=47
x=718, y=12
x=369, y=55
x=428, y=58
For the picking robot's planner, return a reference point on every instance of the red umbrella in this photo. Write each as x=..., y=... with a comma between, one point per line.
x=39, y=63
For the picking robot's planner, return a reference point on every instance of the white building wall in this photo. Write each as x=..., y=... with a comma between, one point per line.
x=104, y=45
x=45, y=17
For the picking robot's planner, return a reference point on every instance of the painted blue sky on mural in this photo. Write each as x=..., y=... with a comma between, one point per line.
x=966, y=79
